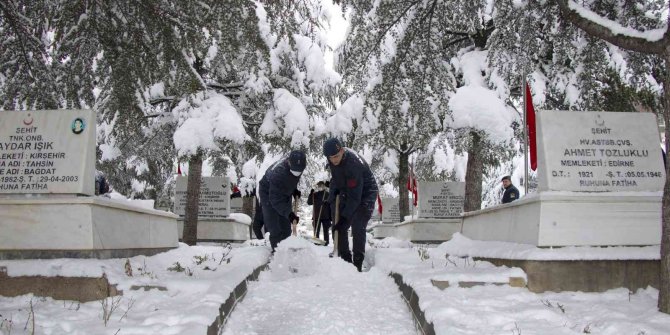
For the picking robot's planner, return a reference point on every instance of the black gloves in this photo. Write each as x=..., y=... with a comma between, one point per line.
x=311, y=192
x=296, y=193
x=292, y=217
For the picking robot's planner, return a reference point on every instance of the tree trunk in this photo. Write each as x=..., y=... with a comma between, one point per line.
x=403, y=194
x=473, y=175
x=664, y=289
x=190, y=235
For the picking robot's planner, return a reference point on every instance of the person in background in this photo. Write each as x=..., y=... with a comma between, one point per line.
x=353, y=181
x=511, y=192
x=101, y=185
x=276, y=190
x=236, y=193
x=321, y=210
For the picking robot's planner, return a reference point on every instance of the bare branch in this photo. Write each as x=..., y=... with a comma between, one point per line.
x=626, y=42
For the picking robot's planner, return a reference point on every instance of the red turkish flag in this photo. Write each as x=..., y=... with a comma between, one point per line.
x=530, y=123
x=379, y=204
x=411, y=185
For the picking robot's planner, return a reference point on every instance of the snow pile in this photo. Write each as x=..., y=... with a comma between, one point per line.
x=203, y=118
x=294, y=257
x=240, y=217
x=462, y=246
x=120, y=198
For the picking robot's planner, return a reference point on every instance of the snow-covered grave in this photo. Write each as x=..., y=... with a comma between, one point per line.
x=216, y=221
x=599, y=184
x=492, y=306
x=47, y=203
x=177, y=292
x=206, y=290
x=440, y=205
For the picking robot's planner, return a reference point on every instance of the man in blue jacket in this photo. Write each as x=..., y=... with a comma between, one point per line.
x=511, y=192
x=353, y=181
x=276, y=192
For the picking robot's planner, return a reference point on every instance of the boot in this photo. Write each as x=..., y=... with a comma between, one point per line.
x=358, y=262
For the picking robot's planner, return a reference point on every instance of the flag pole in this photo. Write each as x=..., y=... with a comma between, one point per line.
x=525, y=134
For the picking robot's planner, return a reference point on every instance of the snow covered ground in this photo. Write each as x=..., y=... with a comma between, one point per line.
x=493, y=309
x=305, y=292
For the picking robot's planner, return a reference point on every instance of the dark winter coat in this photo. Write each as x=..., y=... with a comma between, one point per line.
x=353, y=180
x=277, y=186
x=511, y=194
x=320, y=202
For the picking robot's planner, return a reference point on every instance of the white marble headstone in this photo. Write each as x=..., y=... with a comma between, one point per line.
x=214, y=197
x=47, y=151
x=390, y=210
x=236, y=205
x=599, y=152
x=441, y=200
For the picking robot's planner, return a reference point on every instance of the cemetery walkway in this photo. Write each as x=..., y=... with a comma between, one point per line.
x=306, y=292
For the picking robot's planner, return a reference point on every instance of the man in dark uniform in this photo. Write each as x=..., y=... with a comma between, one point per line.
x=257, y=225
x=276, y=190
x=321, y=210
x=354, y=182
x=511, y=193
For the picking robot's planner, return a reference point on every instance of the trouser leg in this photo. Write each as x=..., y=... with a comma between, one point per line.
x=359, y=222
x=326, y=228
x=278, y=226
x=258, y=221
x=343, y=240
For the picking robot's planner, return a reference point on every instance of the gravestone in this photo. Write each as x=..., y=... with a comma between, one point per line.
x=390, y=210
x=47, y=152
x=441, y=200
x=376, y=216
x=214, y=198
x=236, y=205
x=600, y=182
x=215, y=222
x=604, y=152
x=47, y=164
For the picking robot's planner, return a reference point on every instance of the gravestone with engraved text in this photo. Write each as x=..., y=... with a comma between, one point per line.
x=214, y=198
x=441, y=200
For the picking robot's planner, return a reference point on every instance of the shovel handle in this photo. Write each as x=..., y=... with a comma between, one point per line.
x=335, y=231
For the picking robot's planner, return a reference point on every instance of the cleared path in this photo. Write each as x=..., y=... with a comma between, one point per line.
x=306, y=292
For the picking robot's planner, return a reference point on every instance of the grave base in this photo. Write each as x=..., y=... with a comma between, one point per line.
x=585, y=275
x=420, y=230
x=383, y=230
x=570, y=219
x=221, y=230
x=82, y=227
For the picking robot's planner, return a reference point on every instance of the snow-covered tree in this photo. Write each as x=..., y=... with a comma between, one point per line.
x=405, y=61
x=167, y=79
